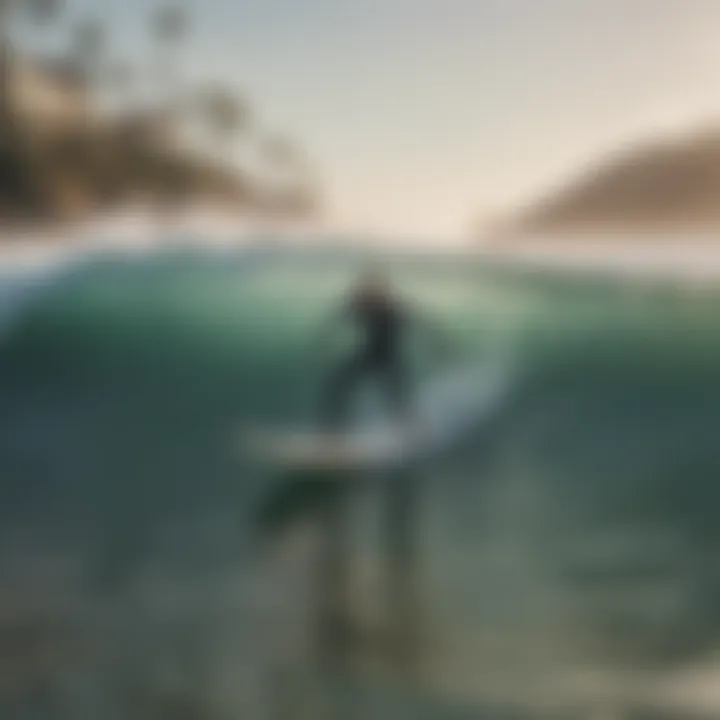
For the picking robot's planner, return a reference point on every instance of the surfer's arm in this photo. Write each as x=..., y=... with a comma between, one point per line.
x=431, y=328
x=325, y=333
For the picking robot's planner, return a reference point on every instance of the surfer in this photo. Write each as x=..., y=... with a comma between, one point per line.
x=382, y=321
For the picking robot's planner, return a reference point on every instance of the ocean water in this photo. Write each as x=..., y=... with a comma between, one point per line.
x=560, y=560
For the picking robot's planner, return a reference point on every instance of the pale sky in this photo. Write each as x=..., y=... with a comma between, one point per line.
x=424, y=115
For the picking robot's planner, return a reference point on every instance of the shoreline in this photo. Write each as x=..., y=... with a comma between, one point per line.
x=689, y=259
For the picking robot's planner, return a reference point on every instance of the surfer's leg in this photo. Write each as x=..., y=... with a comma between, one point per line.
x=338, y=392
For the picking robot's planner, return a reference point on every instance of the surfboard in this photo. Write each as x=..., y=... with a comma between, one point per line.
x=360, y=448
x=447, y=407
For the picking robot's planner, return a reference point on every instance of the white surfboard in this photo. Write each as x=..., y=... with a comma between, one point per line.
x=448, y=406
x=308, y=449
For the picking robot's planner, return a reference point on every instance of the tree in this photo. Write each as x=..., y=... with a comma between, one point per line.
x=44, y=12
x=291, y=188
x=169, y=25
x=13, y=150
x=280, y=152
x=224, y=114
x=120, y=77
x=89, y=41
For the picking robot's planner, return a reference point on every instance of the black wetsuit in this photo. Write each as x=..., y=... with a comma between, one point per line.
x=381, y=322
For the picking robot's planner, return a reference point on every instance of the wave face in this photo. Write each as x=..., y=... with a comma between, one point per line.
x=569, y=544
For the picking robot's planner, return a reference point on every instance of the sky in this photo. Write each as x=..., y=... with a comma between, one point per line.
x=428, y=117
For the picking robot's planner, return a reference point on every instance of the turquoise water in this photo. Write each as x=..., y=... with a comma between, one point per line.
x=575, y=530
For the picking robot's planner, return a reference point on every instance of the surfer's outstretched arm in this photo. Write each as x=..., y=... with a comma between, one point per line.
x=434, y=330
x=323, y=336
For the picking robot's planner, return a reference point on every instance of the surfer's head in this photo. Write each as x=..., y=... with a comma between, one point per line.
x=373, y=284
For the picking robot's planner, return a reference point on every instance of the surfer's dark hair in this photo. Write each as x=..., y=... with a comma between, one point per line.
x=373, y=272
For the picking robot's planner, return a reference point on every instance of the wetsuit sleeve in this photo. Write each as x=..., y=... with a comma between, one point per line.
x=430, y=327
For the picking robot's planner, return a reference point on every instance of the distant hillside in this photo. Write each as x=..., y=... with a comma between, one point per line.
x=664, y=185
